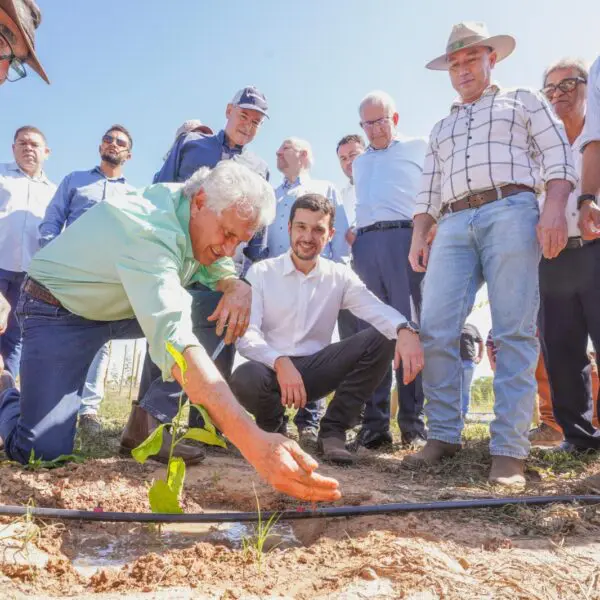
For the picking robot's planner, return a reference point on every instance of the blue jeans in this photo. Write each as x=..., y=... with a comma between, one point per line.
x=93, y=390
x=58, y=348
x=496, y=244
x=10, y=340
x=468, y=370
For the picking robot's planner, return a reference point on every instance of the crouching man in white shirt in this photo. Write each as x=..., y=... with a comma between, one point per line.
x=296, y=299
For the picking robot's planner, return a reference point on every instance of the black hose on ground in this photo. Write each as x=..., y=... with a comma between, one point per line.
x=299, y=513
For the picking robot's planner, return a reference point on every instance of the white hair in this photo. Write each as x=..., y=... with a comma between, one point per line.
x=231, y=184
x=379, y=98
x=567, y=63
x=303, y=145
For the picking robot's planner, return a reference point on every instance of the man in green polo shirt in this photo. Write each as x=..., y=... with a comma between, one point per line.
x=120, y=272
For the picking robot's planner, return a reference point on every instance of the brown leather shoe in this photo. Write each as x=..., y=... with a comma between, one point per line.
x=334, y=450
x=507, y=470
x=140, y=425
x=545, y=435
x=432, y=453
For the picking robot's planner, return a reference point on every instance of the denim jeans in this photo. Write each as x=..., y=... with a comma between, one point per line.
x=10, y=340
x=58, y=348
x=468, y=370
x=495, y=244
x=93, y=389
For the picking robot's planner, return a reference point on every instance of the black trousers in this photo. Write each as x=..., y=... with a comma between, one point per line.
x=353, y=368
x=569, y=313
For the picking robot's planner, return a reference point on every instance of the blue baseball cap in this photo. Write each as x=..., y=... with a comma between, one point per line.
x=251, y=98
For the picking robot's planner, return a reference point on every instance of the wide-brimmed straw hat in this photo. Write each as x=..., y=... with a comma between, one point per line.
x=27, y=17
x=468, y=34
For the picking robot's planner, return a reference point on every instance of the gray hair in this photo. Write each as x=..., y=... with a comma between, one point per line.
x=231, y=184
x=302, y=145
x=567, y=63
x=380, y=98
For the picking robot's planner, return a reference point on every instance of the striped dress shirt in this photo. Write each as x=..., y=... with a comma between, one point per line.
x=504, y=137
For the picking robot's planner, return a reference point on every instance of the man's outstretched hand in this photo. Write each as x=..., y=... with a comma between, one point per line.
x=282, y=463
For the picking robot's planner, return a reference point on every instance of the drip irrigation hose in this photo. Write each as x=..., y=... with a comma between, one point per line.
x=299, y=513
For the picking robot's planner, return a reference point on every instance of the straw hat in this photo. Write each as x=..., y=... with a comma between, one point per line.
x=468, y=34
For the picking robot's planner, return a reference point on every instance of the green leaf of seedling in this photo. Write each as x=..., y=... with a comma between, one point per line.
x=163, y=499
x=208, y=424
x=206, y=437
x=178, y=357
x=150, y=446
x=176, y=475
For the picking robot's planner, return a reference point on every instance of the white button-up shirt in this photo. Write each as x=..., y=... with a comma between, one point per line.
x=23, y=202
x=387, y=181
x=591, y=130
x=504, y=137
x=295, y=314
x=349, y=202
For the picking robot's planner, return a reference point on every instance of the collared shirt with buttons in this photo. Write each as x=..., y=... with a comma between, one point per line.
x=77, y=193
x=387, y=181
x=504, y=137
x=294, y=314
x=23, y=202
x=286, y=194
x=591, y=130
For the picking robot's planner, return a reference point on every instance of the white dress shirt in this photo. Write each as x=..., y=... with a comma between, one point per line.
x=387, y=181
x=295, y=314
x=349, y=202
x=591, y=130
x=23, y=203
x=506, y=136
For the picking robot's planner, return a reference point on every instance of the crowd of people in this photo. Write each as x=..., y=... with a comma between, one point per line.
x=505, y=190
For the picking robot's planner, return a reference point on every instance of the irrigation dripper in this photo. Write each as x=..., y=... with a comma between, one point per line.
x=299, y=513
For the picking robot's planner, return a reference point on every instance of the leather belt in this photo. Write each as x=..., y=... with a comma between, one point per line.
x=39, y=292
x=577, y=242
x=382, y=225
x=485, y=197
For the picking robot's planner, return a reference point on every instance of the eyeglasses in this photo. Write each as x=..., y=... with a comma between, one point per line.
x=16, y=67
x=370, y=124
x=110, y=139
x=565, y=85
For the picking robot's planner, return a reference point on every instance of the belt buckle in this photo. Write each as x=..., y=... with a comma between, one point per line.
x=475, y=200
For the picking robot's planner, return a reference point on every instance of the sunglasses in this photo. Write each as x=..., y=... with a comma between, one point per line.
x=565, y=85
x=111, y=139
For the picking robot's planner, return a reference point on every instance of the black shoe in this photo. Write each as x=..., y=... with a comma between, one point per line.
x=373, y=440
x=414, y=441
x=570, y=448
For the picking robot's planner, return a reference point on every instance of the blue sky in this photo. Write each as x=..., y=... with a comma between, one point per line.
x=150, y=65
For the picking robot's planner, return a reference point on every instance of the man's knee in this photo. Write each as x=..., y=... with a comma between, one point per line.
x=250, y=381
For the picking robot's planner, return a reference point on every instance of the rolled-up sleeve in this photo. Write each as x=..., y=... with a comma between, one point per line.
x=149, y=273
x=591, y=129
x=56, y=213
x=429, y=198
x=549, y=139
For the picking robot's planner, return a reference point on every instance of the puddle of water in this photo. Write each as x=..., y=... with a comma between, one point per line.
x=94, y=551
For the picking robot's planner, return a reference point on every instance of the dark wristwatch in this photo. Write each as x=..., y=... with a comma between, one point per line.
x=585, y=198
x=409, y=326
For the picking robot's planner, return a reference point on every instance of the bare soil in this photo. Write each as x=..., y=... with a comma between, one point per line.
x=540, y=553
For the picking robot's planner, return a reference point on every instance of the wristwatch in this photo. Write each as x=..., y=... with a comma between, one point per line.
x=409, y=326
x=585, y=198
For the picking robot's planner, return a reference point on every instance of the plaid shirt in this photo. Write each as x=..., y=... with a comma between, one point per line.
x=506, y=136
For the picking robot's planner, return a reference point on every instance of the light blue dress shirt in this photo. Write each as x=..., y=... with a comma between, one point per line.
x=278, y=238
x=76, y=194
x=387, y=181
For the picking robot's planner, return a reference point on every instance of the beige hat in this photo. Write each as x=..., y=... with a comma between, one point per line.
x=467, y=34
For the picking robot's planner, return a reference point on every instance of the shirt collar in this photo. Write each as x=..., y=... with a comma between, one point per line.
x=289, y=267
x=98, y=170
x=228, y=149
x=489, y=90
x=394, y=141
x=301, y=179
x=41, y=177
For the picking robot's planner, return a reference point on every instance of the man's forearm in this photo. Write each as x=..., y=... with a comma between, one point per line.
x=557, y=193
x=422, y=223
x=590, y=172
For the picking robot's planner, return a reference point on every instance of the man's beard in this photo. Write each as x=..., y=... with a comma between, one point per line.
x=116, y=160
x=298, y=253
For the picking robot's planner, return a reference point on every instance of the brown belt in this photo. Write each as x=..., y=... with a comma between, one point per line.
x=485, y=197
x=39, y=292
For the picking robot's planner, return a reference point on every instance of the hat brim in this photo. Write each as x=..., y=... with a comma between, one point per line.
x=253, y=107
x=203, y=129
x=32, y=59
x=503, y=45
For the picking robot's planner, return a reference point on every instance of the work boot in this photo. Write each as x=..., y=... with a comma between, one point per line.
x=413, y=441
x=140, y=425
x=90, y=424
x=432, y=453
x=544, y=435
x=334, y=450
x=507, y=470
x=308, y=437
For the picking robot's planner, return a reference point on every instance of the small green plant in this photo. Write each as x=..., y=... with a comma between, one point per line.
x=164, y=494
x=35, y=463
